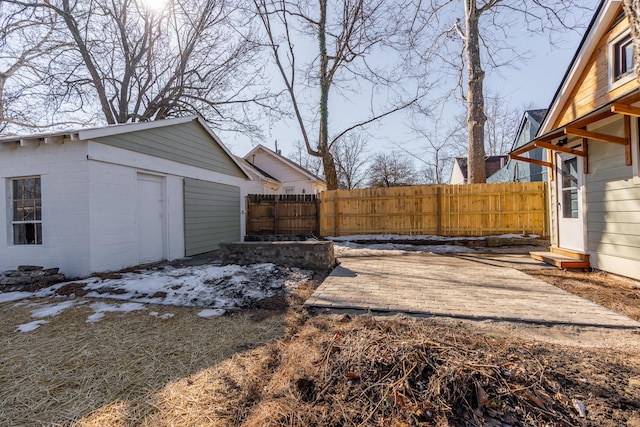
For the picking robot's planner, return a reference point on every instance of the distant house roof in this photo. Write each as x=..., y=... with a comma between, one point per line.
x=492, y=164
x=260, y=172
x=523, y=135
x=285, y=160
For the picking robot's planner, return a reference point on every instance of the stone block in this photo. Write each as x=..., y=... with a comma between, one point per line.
x=313, y=255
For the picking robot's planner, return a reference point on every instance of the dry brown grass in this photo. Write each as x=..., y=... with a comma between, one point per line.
x=338, y=371
x=109, y=373
x=273, y=368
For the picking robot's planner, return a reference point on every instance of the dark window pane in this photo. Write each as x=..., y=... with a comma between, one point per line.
x=38, y=234
x=26, y=206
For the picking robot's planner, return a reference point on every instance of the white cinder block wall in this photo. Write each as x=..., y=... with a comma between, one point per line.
x=114, y=217
x=89, y=204
x=63, y=169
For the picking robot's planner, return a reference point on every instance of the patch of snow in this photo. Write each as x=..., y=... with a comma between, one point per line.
x=163, y=317
x=391, y=237
x=52, y=310
x=355, y=249
x=374, y=237
x=14, y=296
x=219, y=288
x=211, y=312
x=100, y=308
x=31, y=326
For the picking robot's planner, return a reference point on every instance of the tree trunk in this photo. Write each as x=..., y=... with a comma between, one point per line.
x=330, y=174
x=632, y=10
x=476, y=118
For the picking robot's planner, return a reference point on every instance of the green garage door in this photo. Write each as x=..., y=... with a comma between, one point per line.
x=211, y=215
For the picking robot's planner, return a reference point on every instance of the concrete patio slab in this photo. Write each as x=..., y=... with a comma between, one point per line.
x=458, y=287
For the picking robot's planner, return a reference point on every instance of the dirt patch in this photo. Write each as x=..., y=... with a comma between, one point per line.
x=617, y=293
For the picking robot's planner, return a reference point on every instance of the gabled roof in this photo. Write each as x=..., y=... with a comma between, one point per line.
x=256, y=170
x=534, y=117
x=284, y=160
x=604, y=14
x=83, y=134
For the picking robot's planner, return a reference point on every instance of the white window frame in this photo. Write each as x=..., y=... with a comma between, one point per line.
x=13, y=221
x=625, y=78
x=290, y=190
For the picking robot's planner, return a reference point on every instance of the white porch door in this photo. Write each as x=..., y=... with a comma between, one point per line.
x=570, y=212
x=150, y=218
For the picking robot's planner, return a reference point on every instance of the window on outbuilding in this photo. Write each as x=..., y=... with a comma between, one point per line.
x=26, y=211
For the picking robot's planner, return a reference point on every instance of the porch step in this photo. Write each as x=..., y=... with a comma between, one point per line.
x=560, y=260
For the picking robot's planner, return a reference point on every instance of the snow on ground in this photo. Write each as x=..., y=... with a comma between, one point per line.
x=391, y=237
x=356, y=249
x=215, y=288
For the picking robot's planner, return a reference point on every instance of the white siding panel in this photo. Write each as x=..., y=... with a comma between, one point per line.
x=613, y=208
x=65, y=207
x=288, y=176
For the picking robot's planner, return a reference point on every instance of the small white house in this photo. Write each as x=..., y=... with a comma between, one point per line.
x=272, y=173
x=103, y=199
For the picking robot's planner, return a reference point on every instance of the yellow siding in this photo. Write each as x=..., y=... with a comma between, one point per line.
x=592, y=89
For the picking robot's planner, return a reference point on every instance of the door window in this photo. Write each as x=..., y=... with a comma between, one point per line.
x=570, y=188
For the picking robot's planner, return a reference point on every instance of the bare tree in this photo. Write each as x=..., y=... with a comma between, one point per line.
x=141, y=64
x=348, y=33
x=441, y=143
x=484, y=34
x=351, y=160
x=632, y=10
x=392, y=169
x=301, y=156
x=501, y=125
x=27, y=41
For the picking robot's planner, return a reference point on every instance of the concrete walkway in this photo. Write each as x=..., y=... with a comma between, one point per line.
x=436, y=285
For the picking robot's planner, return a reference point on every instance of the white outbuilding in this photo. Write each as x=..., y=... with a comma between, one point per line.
x=107, y=198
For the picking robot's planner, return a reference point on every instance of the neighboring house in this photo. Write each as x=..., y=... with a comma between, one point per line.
x=272, y=173
x=107, y=198
x=459, y=171
x=517, y=171
x=591, y=134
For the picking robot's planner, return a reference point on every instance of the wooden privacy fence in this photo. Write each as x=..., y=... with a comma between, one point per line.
x=269, y=214
x=443, y=210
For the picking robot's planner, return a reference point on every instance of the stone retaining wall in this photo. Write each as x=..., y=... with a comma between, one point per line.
x=312, y=255
x=29, y=278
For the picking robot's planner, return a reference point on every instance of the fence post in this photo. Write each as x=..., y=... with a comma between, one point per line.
x=439, y=209
x=335, y=213
x=276, y=220
x=248, y=215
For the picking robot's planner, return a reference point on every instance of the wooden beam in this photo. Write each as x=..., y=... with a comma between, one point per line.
x=585, y=159
x=596, y=135
x=523, y=149
x=627, y=135
x=561, y=149
x=528, y=160
x=627, y=110
x=592, y=119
